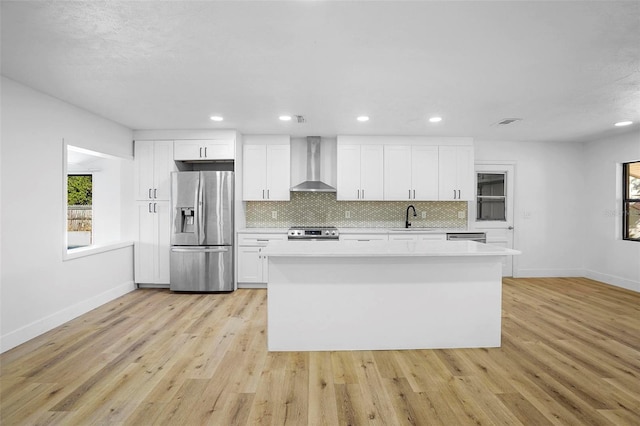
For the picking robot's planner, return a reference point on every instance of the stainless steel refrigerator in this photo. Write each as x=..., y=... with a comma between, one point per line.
x=202, y=231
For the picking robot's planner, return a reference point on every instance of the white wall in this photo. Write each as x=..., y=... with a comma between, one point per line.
x=549, y=202
x=608, y=257
x=39, y=290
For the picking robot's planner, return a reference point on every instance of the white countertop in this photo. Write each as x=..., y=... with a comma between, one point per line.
x=360, y=230
x=384, y=249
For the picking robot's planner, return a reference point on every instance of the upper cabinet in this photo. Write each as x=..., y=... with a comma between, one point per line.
x=456, y=173
x=407, y=168
x=410, y=172
x=360, y=172
x=154, y=164
x=204, y=150
x=266, y=168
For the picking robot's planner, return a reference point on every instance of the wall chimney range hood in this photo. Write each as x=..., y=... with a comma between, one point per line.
x=313, y=182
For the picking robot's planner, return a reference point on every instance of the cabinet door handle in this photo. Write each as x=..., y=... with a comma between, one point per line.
x=200, y=152
x=358, y=194
x=150, y=208
x=414, y=194
x=363, y=194
x=263, y=194
x=155, y=193
x=155, y=210
x=409, y=194
x=205, y=152
x=454, y=194
x=268, y=196
x=459, y=196
x=150, y=193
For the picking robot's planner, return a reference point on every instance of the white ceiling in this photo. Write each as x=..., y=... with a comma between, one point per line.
x=568, y=69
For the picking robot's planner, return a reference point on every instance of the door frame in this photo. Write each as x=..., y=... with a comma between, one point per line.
x=510, y=169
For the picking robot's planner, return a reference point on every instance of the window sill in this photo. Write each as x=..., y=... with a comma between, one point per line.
x=94, y=249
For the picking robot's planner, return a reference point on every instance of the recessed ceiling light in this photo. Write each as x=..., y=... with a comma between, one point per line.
x=435, y=119
x=216, y=118
x=623, y=123
x=285, y=117
x=363, y=118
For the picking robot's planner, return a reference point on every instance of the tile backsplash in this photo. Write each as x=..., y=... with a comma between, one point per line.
x=314, y=208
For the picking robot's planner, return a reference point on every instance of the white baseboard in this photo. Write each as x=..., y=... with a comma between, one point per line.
x=613, y=280
x=548, y=273
x=252, y=285
x=38, y=327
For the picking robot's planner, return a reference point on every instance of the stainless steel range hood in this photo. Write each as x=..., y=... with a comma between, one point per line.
x=313, y=182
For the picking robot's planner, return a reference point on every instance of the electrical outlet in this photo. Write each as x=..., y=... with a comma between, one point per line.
x=462, y=214
x=274, y=214
x=347, y=214
x=424, y=215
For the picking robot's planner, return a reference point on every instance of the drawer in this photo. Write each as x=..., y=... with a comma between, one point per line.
x=259, y=239
x=364, y=237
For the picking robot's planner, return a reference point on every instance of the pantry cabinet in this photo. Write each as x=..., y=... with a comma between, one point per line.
x=153, y=166
x=204, y=150
x=455, y=177
x=153, y=243
x=410, y=172
x=266, y=169
x=360, y=173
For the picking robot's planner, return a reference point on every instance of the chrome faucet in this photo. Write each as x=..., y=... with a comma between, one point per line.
x=406, y=222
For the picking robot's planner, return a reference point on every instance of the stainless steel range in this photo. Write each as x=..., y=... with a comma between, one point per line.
x=314, y=233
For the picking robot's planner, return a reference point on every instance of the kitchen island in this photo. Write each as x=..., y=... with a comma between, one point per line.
x=377, y=295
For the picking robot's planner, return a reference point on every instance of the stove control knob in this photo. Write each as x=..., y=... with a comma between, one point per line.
x=333, y=232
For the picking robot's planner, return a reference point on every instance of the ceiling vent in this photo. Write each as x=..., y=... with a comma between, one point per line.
x=300, y=119
x=506, y=121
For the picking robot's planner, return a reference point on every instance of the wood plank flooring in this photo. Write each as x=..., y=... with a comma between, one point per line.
x=570, y=355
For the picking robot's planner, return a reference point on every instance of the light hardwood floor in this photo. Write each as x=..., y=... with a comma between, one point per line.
x=570, y=355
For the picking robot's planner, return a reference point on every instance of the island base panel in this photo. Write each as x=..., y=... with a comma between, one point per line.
x=328, y=304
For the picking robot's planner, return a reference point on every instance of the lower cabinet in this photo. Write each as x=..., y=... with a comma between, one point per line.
x=152, y=246
x=252, y=264
x=364, y=237
x=417, y=236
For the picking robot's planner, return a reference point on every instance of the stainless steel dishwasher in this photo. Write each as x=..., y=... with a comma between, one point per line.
x=479, y=237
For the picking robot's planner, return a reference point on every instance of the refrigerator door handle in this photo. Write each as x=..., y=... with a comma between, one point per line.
x=200, y=250
x=200, y=209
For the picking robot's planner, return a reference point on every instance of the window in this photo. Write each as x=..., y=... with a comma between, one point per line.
x=79, y=210
x=490, y=196
x=631, y=201
x=93, y=200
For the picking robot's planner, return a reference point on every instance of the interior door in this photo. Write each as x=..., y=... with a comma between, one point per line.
x=492, y=209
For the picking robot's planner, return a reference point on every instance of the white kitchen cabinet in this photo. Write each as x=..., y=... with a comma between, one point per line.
x=432, y=237
x=252, y=264
x=153, y=243
x=360, y=173
x=410, y=172
x=417, y=235
x=456, y=171
x=266, y=172
x=406, y=236
x=153, y=164
x=364, y=237
x=204, y=150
